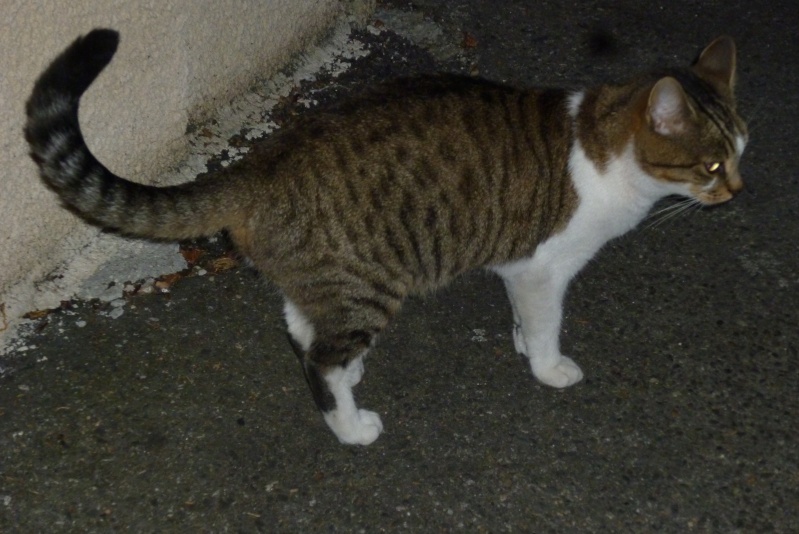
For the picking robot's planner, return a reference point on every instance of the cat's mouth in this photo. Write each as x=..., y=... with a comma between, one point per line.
x=718, y=191
x=716, y=197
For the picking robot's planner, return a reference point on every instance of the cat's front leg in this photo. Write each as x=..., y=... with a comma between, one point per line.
x=518, y=335
x=537, y=299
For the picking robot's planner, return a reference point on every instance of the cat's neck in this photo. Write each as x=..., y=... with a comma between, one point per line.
x=607, y=118
x=615, y=192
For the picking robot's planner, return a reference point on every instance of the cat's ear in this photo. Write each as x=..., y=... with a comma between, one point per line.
x=668, y=110
x=716, y=64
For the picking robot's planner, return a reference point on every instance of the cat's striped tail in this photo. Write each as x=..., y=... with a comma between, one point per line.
x=83, y=183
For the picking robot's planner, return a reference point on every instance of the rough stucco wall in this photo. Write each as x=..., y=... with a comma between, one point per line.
x=177, y=61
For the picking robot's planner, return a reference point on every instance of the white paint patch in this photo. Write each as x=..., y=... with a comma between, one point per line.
x=251, y=111
x=419, y=29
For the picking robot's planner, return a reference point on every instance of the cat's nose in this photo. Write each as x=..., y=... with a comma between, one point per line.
x=735, y=184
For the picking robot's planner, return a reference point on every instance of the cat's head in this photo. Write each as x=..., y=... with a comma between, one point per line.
x=692, y=138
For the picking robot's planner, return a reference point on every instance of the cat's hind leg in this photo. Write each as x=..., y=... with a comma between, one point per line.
x=333, y=365
x=332, y=383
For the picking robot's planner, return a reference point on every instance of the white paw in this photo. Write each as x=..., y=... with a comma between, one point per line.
x=370, y=426
x=361, y=429
x=563, y=374
x=518, y=340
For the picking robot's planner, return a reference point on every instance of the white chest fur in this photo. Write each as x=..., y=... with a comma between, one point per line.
x=611, y=203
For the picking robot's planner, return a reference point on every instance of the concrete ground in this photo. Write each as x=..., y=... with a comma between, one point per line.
x=189, y=413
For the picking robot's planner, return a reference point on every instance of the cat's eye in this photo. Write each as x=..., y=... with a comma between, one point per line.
x=714, y=167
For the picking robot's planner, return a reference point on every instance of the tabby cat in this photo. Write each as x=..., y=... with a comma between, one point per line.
x=407, y=186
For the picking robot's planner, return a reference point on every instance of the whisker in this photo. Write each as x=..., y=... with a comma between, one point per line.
x=666, y=208
x=669, y=208
x=672, y=211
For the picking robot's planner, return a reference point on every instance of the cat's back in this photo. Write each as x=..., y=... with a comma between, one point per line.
x=443, y=173
x=425, y=132
x=402, y=111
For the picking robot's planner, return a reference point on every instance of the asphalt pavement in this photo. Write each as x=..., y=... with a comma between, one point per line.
x=188, y=411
